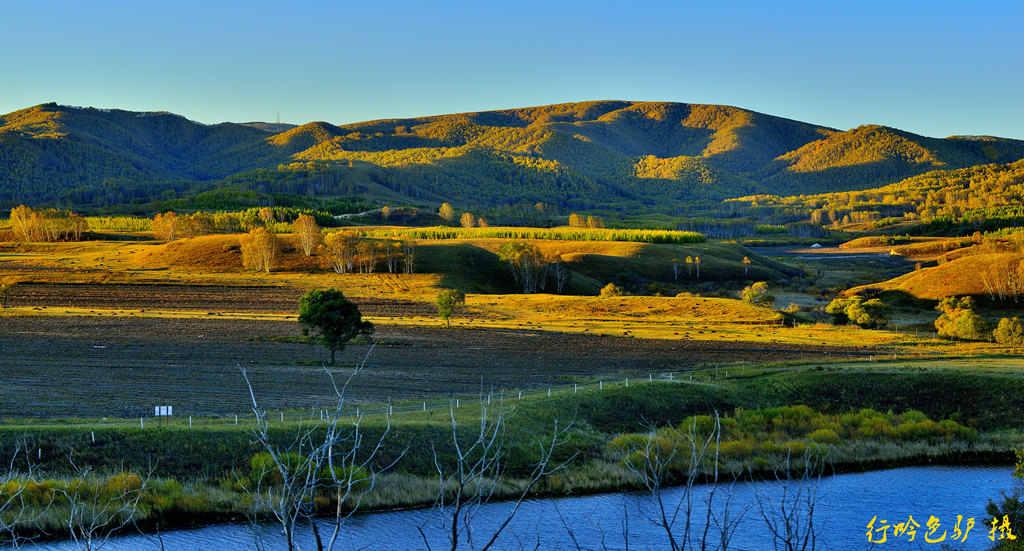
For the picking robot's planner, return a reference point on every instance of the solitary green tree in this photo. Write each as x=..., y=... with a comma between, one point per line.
x=447, y=300
x=331, y=319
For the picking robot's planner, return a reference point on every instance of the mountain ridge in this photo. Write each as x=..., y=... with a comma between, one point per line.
x=609, y=154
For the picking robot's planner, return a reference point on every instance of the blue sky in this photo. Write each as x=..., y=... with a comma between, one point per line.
x=936, y=68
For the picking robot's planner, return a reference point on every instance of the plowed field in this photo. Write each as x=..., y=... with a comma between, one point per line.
x=83, y=366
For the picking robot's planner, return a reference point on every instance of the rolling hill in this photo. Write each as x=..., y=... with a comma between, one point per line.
x=601, y=155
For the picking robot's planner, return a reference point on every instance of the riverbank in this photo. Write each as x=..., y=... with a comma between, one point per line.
x=203, y=474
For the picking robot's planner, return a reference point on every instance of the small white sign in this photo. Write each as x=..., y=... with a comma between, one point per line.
x=163, y=411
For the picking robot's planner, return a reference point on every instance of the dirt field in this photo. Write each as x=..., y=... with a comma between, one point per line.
x=194, y=298
x=84, y=366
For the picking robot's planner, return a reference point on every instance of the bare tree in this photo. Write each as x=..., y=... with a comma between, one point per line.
x=325, y=456
x=691, y=454
x=93, y=508
x=15, y=512
x=790, y=515
x=478, y=471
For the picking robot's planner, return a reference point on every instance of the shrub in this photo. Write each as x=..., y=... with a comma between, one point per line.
x=611, y=290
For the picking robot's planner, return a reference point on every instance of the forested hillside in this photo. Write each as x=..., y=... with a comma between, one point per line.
x=610, y=155
x=986, y=196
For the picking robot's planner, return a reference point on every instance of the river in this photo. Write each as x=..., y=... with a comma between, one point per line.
x=845, y=504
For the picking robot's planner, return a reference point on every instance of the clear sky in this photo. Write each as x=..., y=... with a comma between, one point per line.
x=933, y=67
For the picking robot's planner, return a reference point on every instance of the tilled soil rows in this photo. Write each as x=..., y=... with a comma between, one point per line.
x=199, y=298
x=78, y=366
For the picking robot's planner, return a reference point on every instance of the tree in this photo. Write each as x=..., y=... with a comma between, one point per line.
x=563, y=273
x=392, y=253
x=259, y=249
x=6, y=286
x=266, y=214
x=689, y=265
x=477, y=467
x=746, y=265
x=483, y=223
x=758, y=294
x=447, y=300
x=675, y=268
x=408, y=254
x=339, y=251
x=308, y=230
x=1010, y=332
x=684, y=456
x=526, y=262
x=577, y=221
x=958, y=319
x=385, y=213
x=696, y=263
x=467, y=220
x=447, y=212
x=790, y=515
x=13, y=506
x=330, y=319
x=326, y=459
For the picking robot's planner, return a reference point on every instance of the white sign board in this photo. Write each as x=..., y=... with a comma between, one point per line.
x=163, y=411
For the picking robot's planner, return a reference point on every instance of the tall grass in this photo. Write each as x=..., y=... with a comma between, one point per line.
x=557, y=234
